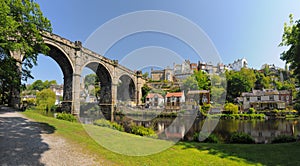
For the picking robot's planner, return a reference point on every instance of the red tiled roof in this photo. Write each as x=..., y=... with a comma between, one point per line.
x=151, y=95
x=175, y=94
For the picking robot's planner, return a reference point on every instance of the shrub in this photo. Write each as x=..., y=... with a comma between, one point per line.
x=117, y=126
x=283, y=139
x=241, y=138
x=106, y=123
x=65, y=116
x=103, y=123
x=231, y=108
x=142, y=131
x=252, y=111
x=212, y=138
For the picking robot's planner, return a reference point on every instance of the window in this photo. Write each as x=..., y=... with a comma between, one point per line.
x=248, y=98
x=272, y=97
x=258, y=98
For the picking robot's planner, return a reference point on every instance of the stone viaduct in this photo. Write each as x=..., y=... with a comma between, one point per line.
x=73, y=58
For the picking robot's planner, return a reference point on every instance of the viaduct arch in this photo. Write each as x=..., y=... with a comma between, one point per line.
x=72, y=58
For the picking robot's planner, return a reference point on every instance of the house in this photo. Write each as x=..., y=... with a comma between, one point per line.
x=173, y=101
x=266, y=99
x=199, y=96
x=58, y=90
x=238, y=64
x=154, y=100
x=161, y=75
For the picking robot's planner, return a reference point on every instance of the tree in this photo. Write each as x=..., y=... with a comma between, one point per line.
x=92, y=79
x=21, y=27
x=202, y=79
x=7, y=77
x=145, y=90
x=291, y=39
x=45, y=99
x=239, y=82
x=190, y=83
x=146, y=75
x=37, y=85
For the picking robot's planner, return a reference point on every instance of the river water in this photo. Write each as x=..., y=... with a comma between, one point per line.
x=263, y=131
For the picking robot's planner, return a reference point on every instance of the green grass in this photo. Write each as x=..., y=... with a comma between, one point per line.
x=183, y=153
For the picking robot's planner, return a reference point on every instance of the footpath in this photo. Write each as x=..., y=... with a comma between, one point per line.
x=25, y=142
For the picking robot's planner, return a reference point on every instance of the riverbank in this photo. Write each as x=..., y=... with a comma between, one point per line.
x=183, y=153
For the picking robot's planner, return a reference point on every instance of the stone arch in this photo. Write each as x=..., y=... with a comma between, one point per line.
x=104, y=97
x=65, y=64
x=126, y=89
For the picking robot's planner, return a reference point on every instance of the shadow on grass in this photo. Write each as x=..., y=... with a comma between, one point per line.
x=264, y=154
x=20, y=140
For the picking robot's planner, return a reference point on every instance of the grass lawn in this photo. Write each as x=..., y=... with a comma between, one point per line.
x=183, y=153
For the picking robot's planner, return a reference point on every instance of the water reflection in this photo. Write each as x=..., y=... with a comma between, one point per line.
x=263, y=131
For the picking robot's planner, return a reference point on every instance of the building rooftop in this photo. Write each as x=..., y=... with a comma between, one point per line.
x=175, y=94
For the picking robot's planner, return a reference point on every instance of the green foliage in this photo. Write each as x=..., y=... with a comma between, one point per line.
x=241, y=138
x=142, y=131
x=145, y=90
x=252, y=111
x=45, y=99
x=8, y=75
x=117, y=126
x=284, y=139
x=21, y=26
x=66, y=116
x=103, y=123
x=202, y=79
x=238, y=82
x=291, y=39
x=92, y=80
x=190, y=83
x=211, y=138
x=231, y=108
x=106, y=123
x=145, y=75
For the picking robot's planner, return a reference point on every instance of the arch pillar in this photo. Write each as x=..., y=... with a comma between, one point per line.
x=76, y=80
x=139, y=86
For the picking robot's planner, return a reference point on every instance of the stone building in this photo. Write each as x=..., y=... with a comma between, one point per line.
x=266, y=99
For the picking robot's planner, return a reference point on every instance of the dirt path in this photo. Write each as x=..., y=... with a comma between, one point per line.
x=25, y=142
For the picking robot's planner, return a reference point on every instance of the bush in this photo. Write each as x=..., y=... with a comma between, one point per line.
x=284, y=139
x=252, y=111
x=117, y=126
x=65, y=116
x=111, y=125
x=212, y=138
x=241, y=138
x=142, y=131
x=231, y=108
x=103, y=123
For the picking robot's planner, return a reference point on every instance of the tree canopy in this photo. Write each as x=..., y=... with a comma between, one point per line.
x=291, y=39
x=21, y=26
x=238, y=82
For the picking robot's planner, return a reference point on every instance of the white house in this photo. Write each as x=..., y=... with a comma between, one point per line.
x=154, y=100
x=174, y=101
x=237, y=65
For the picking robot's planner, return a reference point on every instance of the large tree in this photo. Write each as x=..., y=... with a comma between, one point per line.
x=291, y=39
x=21, y=26
x=239, y=82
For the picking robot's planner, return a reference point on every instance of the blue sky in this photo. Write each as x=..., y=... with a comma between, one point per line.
x=250, y=29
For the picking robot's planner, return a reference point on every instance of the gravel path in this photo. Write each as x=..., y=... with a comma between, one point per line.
x=25, y=142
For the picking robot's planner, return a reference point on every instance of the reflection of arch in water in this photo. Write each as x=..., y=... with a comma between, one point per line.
x=126, y=89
